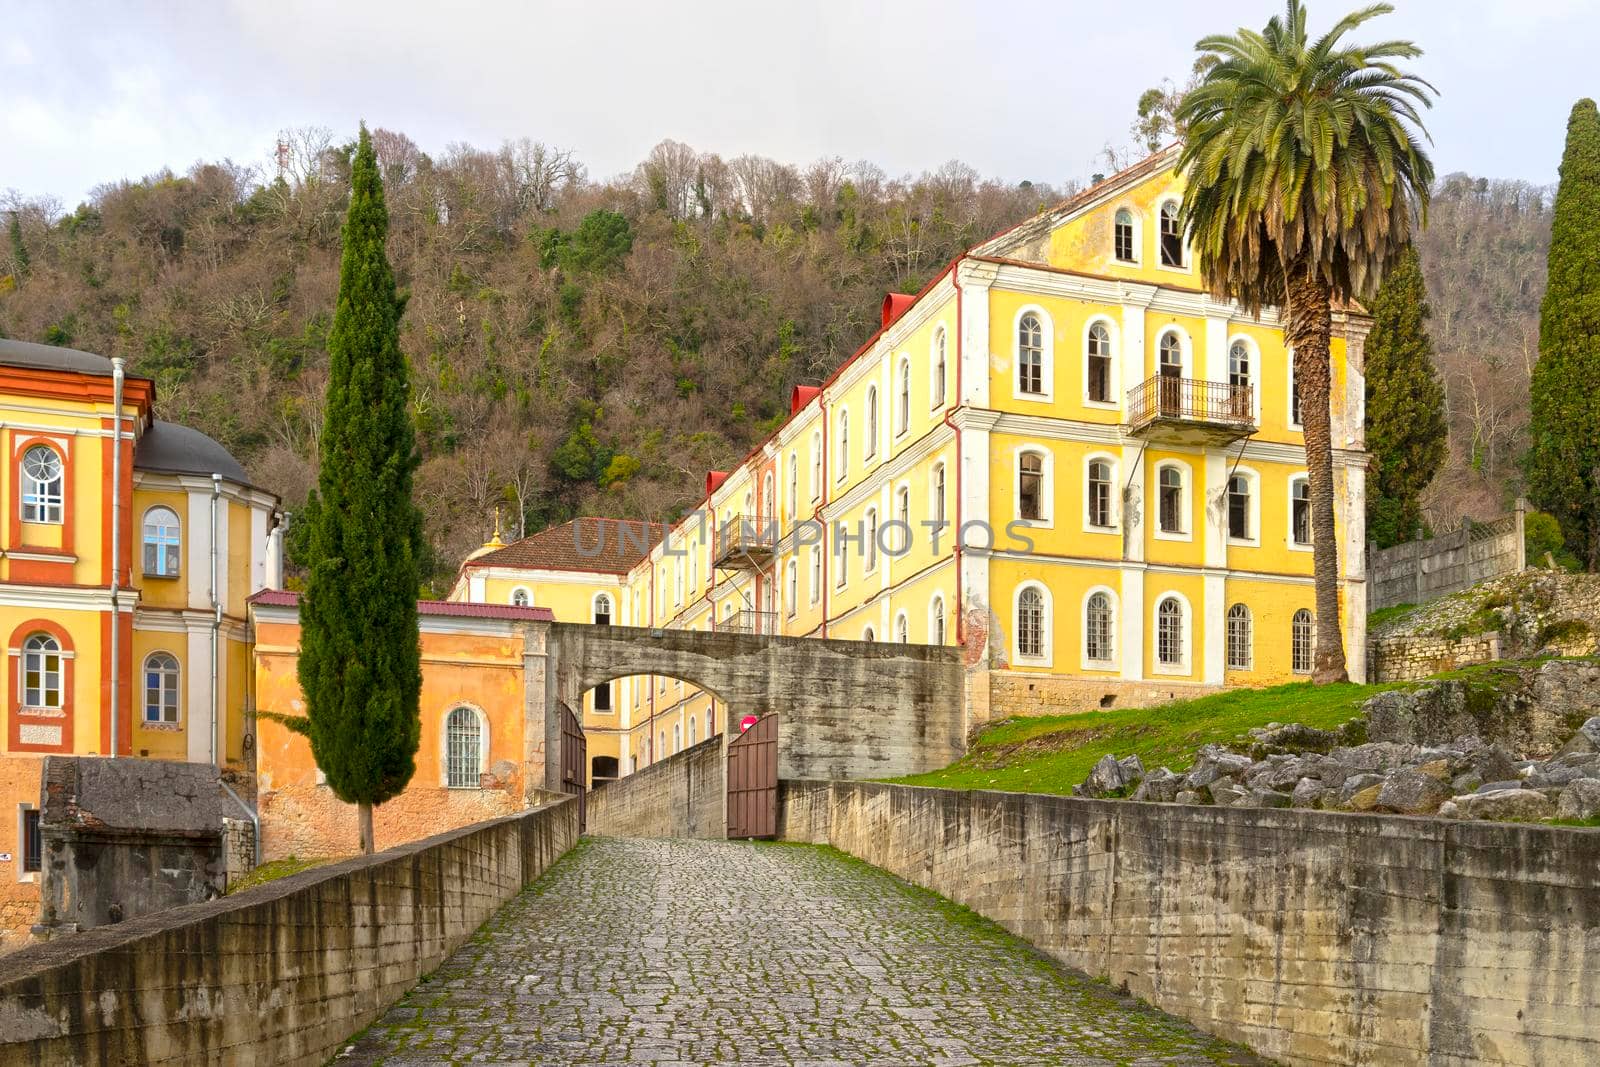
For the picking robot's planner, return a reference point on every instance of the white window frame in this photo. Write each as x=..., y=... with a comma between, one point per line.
x=868, y=633
x=793, y=587
x=694, y=732
x=1185, y=350
x=444, y=744
x=1047, y=481
x=522, y=591
x=1088, y=663
x=902, y=397
x=1250, y=475
x=869, y=533
x=902, y=628
x=1185, y=531
x=24, y=875
x=1250, y=638
x=1138, y=235
x=160, y=542
x=175, y=675
x=1047, y=356
x=871, y=447
x=1288, y=400
x=1253, y=350
x=815, y=590
x=818, y=473
x=937, y=490
x=1187, y=266
x=1116, y=495
x=1113, y=380
x=794, y=487
x=939, y=362
x=842, y=440
x=611, y=608
x=936, y=620
x=842, y=559
x=1311, y=643
x=1046, y=626
x=63, y=665
x=1288, y=514
x=769, y=504
x=1185, y=635
x=48, y=509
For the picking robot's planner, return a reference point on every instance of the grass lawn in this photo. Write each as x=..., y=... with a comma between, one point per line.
x=275, y=869
x=1053, y=753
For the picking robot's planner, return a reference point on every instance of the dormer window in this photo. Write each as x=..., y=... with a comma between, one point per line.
x=42, y=483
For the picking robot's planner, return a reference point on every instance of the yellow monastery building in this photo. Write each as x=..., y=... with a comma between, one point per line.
x=1112, y=461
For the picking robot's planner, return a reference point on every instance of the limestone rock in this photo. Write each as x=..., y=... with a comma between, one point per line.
x=1506, y=805
x=1186, y=796
x=1580, y=800
x=1365, y=786
x=1226, y=792
x=1412, y=792
x=1159, y=786
x=1586, y=740
x=1265, y=798
x=1308, y=793
x=1438, y=769
x=1292, y=738
x=1374, y=755
x=1545, y=775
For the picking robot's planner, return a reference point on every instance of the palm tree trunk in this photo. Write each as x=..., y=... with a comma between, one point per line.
x=1309, y=330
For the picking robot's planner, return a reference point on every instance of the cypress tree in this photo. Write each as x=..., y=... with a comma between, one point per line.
x=360, y=654
x=1406, y=431
x=1563, y=462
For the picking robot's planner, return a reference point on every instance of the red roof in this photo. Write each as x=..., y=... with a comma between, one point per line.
x=279, y=598
x=596, y=545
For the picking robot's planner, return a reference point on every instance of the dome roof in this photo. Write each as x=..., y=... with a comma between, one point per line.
x=50, y=357
x=173, y=449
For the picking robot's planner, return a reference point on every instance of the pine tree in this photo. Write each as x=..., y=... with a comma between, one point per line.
x=1563, y=463
x=1406, y=431
x=360, y=656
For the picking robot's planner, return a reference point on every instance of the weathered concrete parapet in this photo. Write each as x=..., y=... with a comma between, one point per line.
x=684, y=795
x=280, y=974
x=1313, y=937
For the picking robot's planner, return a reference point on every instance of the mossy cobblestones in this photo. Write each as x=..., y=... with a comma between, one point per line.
x=705, y=952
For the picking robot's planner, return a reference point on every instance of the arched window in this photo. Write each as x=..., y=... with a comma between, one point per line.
x=1171, y=349
x=1240, y=639
x=868, y=634
x=936, y=620
x=1171, y=235
x=677, y=737
x=161, y=688
x=1099, y=494
x=794, y=486
x=870, y=525
x=1241, y=379
x=602, y=610
x=520, y=598
x=1030, y=355
x=816, y=572
x=902, y=418
x=1169, y=633
x=1030, y=623
x=844, y=445
x=1294, y=394
x=661, y=745
x=1124, y=236
x=163, y=547
x=816, y=465
x=1097, y=633
x=902, y=629
x=793, y=598
x=42, y=482
x=870, y=449
x=1300, y=511
x=1098, y=370
x=1239, y=508
x=1170, y=499
x=937, y=384
x=902, y=511
x=1302, y=639
x=769, y=505
x=463, y=749
x=841, y=557
x=1030, y=486
x=41, y=672
x=938, y=495
x=694, y=732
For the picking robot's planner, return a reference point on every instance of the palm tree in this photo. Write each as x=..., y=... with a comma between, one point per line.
x=1304, y=173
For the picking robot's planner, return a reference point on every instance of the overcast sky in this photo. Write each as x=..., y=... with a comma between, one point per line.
x=94, y=93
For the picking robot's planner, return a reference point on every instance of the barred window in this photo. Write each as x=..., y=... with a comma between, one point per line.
x=1030, y=623
x=32, y=842
x=1240, y=652
x=1239, y=507
x=1302, y=639
x=463, y=749
x=160, y=688
x=1099, y=363
x=162, y=544
x=42, y=482
x=1097, y=628
x=1030, y=355
x=1171, y=500
x=1169, y=632
x=41, y=672
x=1100, y=493
x=1030, y=486
x=1124, y=236
x=1300, y=511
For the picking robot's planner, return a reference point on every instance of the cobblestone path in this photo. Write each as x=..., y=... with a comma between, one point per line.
x=705, y=952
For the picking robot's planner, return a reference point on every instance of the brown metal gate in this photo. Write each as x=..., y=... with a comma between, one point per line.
x=574, y=759
x=753, y=780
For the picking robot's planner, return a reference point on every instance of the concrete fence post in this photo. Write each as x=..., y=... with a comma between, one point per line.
x=1522, y=534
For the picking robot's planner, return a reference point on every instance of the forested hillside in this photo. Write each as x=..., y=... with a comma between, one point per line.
x=585, y=345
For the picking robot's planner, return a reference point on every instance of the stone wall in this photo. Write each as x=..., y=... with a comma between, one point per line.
x=1020, y=693
x=1313, y=937
x=238, y=849
x=19, y=890
x=1406, y=657
x=306, y=820
x=279, y=974
x=1419, y=571
x=681, y=796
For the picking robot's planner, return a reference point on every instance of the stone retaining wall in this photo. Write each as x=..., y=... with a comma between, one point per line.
x=681, y=796
x=1407, y=657
x=1313, y=937
x=280, y=974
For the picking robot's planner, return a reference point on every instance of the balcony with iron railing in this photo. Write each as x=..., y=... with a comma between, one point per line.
x=745, y=543
x=749, y=621
x=1171, y=410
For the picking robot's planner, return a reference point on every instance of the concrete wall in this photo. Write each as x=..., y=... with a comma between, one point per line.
x=280, y=974
x=1313, y=937
x=1419, y=571
x=851, y=709
x=682, y=796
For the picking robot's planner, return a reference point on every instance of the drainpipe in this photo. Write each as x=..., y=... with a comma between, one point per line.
x=255, y=820
x=961, y=614
x=117, y=379
x=216, y=611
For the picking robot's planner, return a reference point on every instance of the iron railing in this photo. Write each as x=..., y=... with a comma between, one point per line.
x=747, y=537
x=751, y=622
x=1189, y=400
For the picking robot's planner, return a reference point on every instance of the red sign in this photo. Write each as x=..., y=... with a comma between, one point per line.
x=747, y=722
